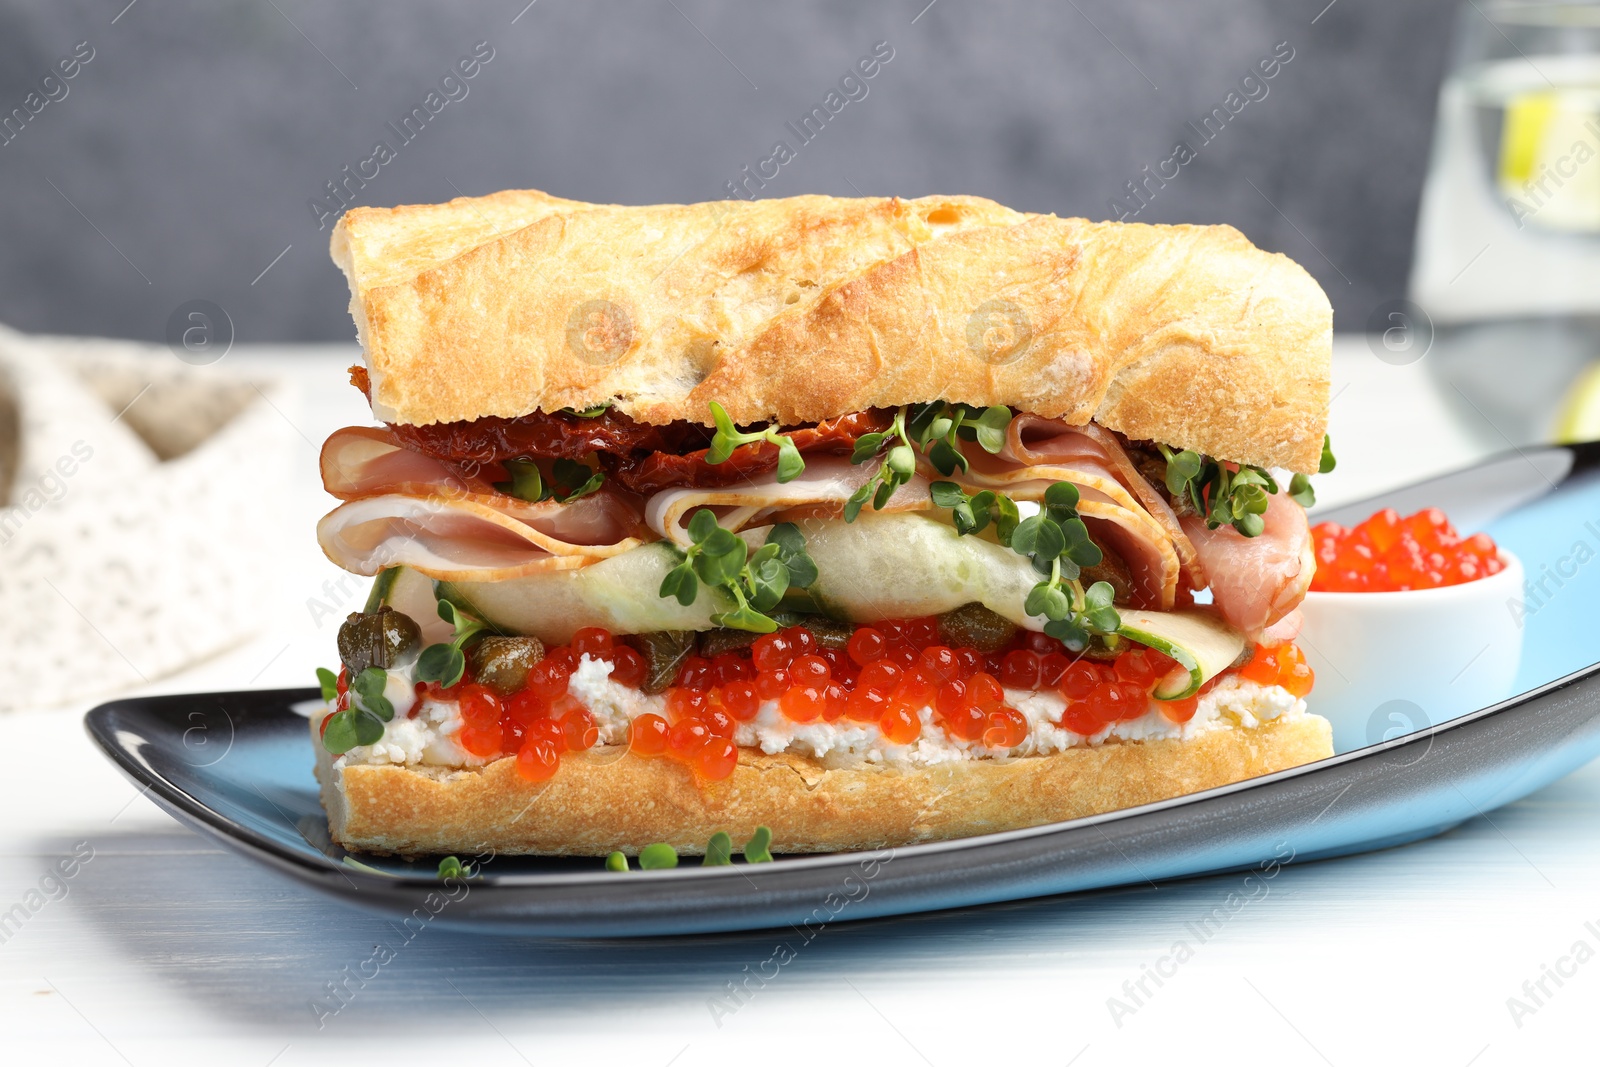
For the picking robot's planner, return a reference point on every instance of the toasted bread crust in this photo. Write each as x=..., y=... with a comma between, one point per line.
x=604, y=800
x=809, y=307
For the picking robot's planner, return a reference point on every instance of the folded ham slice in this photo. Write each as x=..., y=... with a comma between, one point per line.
x=1256, y=581
x=360, y=461
x=449, y=522
x=1120, y=508
x=466, y=539
x=1037, y=441
x=820, y=491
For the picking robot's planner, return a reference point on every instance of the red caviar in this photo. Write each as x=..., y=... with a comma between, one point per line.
x=1387, y=553
x=884, y=678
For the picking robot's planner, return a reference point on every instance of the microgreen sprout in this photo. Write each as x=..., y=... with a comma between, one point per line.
x=974, y=513
x=1057, y=542
x=898, y=465
x=569, y=480
x=938, y=430
x=1234, y=497
x=329, y=683
x=657, y=857
x=940, y=427
x=451, y=867
x=362, y=722
x=729, y=437
x=755, y=582
x=719, y=850
x=758, y=848
x=719, y=853
x=588, y=413
x=445, y=663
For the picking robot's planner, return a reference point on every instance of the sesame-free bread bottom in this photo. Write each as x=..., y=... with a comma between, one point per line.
x=604, y=799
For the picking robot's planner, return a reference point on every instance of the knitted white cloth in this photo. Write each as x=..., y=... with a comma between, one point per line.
x=138, y=527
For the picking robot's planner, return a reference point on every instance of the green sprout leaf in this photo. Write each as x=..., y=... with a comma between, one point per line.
x=719, y=850
x=1062, y=495
x=755, y=583
x=1328, y=462
x=339, y=735
x=351, y=728
x=745, y=618
x=526, y=482
x=702, y=525
x=729, y=437
x=616, y=862
x=588, y=413
x=369, y=686
x=329, y=683
x=445, y=663
x=1236, y=495
x=657, y=857
x=758, y=848
x=451, y=867
x=441, y=663
x=574, y=480
x=946, y=494
x=790, y=465
x=857, y=500
x=1182, y=469
x=866, y=447
x=680, y=584
x=991, y=428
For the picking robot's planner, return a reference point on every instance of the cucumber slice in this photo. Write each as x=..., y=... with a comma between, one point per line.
x=411, y=593
x=1198, y=639
x=620, y=594
x=381, y=587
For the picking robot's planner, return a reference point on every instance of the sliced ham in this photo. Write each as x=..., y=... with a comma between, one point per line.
x=465, y=539
x=1113, y=519
x=820, y=491
x=1035, y=441
x=1120, y=508
x=360, y=461
x=1257, y=581
x=411, y=505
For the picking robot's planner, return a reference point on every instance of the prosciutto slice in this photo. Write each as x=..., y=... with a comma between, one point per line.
x=1257, y=581
x=466, y=539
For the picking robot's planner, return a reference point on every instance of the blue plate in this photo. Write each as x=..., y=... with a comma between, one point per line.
x=237, y=766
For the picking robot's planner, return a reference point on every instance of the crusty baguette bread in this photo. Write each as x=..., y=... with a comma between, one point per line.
x=809, y=307
x=603, y=799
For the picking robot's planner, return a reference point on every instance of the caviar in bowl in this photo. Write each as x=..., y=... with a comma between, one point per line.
x=1407, y=625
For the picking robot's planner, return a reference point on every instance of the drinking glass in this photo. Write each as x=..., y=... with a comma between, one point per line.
x=1507, y=258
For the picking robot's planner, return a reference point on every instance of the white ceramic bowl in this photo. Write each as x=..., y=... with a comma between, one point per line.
x=1391, y=663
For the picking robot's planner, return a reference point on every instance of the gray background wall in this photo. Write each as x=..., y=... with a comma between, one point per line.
x=182, y=158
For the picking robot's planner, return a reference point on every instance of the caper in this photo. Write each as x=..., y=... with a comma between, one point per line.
x=975, y=626
x=716, y=642
x=382, y=638
x=664, y=653
x=1113, y=570
x=830, y=633
x=502, y=663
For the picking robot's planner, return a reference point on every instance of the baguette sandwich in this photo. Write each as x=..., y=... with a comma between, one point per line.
x=873, y=521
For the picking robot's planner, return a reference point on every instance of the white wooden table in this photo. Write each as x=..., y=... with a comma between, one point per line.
x=164, y=948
